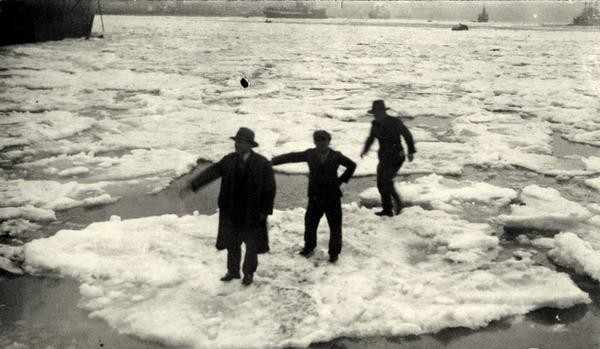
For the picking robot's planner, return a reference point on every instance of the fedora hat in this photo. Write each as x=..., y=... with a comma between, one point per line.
x=378, y=105
x=245, y=134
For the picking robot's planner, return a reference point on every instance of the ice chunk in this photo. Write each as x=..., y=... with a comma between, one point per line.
x=573, y=252
x=444, y=193
x=544, y=209
x=593, y=183
x=27, y=212
x=15, y=227
x=158, y=278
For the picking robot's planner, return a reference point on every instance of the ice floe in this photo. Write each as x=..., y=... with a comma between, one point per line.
x=544, y=209
x=158, y=278
x=571, y=251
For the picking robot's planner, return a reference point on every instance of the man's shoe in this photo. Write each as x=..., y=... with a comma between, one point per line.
x=306, y=253
x=230, y=276
x=333, y=258
x=397, y=210
x=388, y=213
x=247, y=280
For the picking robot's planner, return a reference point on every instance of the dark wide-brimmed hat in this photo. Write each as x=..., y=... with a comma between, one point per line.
x=378, y=105
x=245, y=134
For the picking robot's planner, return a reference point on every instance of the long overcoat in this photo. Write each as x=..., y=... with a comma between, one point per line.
x=259, y=199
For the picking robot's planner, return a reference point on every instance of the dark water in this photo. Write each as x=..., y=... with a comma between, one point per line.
x=563, y=147
x=39, y=312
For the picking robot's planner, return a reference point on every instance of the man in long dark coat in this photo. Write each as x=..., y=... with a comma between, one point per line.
x=324, y=194
x=388, y=130
x=245, y=200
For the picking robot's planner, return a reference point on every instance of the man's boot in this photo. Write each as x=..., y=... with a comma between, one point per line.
x=388, y=213
x=306, y=252
x=230, y=276
x=247, y=280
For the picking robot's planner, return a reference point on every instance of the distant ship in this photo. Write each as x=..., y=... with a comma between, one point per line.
x=460, y=27
x=589, y=16
x=300, y=11
x=379, y=12
x=483, y=16
x=24, y=21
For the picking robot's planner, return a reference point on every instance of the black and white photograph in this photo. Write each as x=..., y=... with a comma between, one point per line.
x=278, y=174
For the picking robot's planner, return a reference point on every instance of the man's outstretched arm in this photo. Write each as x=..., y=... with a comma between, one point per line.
x=289, y=157
x=203, y=178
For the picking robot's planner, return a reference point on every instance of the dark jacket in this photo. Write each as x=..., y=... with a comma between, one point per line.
x=239, y=222
x=388, y=133
x=323, y=181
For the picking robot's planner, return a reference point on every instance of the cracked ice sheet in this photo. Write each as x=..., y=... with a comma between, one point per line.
x=158, y=278
x=27, y=128
x=545, y=209
x=52, y=195
x=511, y=141
x=138, y=163
x=444, y=194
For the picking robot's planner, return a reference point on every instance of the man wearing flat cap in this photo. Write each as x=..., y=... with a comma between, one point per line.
x=388, y=130
x=324, y=194
x=245, y=200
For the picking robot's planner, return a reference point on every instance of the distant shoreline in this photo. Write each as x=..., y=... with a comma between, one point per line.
x=396, y=22
x=526, y=12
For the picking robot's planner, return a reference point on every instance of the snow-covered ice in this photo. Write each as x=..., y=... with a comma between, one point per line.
x=158, y=278
x=573, y=252
x=544, y=209
x=441, y=193
x=577, y=246
x=594, y=183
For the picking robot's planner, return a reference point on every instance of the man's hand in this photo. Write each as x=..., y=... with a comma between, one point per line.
x=410, y=157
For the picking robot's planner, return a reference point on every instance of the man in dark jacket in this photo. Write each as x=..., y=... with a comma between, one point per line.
x=324, y=194
x=388, y=130
x=245, y=200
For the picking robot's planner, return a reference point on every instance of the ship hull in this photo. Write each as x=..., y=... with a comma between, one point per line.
x=276, y=13
x=379, y=15
x=27, y=21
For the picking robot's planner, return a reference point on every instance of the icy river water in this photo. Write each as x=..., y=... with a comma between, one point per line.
x=500, y=247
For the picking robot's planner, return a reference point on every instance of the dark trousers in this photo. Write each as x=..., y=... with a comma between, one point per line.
x=234, y=256
x=386, y=171
x=332, y=208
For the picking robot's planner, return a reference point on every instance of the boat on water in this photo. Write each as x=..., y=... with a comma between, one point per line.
x=300, y=11
x=460, y=27
x=379, y=12
x=26, y=21
x=483, y=16
x=590, y=16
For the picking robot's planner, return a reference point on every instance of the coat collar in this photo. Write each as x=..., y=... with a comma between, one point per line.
x=249, y=157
